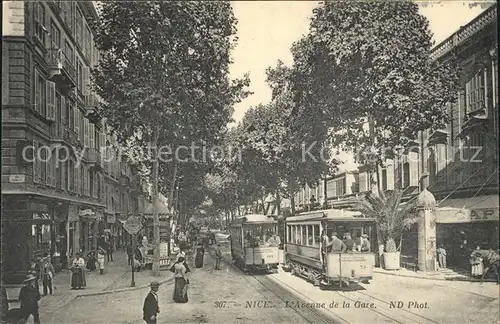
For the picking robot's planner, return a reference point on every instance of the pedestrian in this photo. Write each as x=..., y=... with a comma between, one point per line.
x=150, y=310
x=181, y=254
x=29, y=297
x=218, y=257
x=78, y=275
x=349, y=242
x=47, y=274
x=91, y=261
x=336, y=245
x=441, y=253
x=101, y=255
x=109, y=251
x=198, y=260
x=130, y=254
x=181, y=281
x=476, y=261
x=365, y=243
x=35, y=270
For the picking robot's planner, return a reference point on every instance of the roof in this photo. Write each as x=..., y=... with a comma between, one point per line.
x=255, y=219
x=330, y=214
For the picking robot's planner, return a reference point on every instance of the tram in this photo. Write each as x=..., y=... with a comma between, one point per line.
x=254, y=243
x=306, y=256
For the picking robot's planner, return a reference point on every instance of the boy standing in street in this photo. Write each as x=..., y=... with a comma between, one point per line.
x=29, y=297
x=47, y=274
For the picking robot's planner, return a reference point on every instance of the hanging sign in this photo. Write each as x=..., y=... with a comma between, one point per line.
x=133, y=225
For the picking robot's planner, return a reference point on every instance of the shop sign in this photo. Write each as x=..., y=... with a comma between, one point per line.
x=86, y=213
x=448, y=216
x=133, y=225
x=17, y=178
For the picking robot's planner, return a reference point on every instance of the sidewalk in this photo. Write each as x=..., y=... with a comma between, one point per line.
x=116, y=278
x=443, y=275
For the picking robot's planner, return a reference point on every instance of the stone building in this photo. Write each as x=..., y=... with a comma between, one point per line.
x=56, y=182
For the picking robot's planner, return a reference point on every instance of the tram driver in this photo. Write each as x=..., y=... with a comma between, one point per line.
x=336, y=245
x=274, y=240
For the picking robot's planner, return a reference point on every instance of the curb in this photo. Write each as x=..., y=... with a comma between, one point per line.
x=435, y=279
x=107, y=292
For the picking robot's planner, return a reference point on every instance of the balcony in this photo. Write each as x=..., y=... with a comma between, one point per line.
x=93, y=157
x=71, y=137
x=92, y=108
x=61, y=70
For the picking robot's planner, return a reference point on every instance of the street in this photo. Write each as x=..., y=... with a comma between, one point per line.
x=230, y=296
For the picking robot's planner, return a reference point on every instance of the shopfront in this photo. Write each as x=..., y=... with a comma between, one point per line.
x=465, y=224
x=28, y=232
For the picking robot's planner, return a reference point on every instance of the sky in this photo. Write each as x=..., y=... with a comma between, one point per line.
x=267, y=30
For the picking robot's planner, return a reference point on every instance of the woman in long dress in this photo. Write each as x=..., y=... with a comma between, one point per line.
x=181, y=281
x=91, y=260
x=78, y=275
x=476, y=261
x=198, y=260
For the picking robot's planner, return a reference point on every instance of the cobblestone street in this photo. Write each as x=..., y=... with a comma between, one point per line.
x=207, y=287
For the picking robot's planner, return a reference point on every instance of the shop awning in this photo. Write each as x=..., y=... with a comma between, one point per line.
x=468, y=210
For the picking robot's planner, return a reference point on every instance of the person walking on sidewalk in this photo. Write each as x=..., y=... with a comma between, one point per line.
x=101, y=255
x=47, y=274
x=151, y=309
x=29, y=297
x=218, y=257
x=109, y=250
x=130, y=254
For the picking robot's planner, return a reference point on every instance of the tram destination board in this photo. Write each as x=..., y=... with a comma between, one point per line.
x=133, y=225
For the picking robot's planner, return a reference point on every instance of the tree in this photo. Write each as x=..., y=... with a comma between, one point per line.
x=391, y=216
x=163, y=74
x=370, y=63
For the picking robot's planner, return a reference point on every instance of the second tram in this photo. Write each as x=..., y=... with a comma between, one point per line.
x=307, y=255
x=255, y=243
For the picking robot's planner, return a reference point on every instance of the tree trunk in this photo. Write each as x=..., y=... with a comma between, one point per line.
x=171, y=201
x=292, y=204
x=156, y=220
x=278, y=203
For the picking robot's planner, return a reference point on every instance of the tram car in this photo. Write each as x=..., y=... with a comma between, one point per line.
x=306, y=256
x=254, y=243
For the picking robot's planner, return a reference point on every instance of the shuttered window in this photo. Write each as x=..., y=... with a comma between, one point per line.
x=474, y=90
x=51, y=100
x=39, y=92
x=86, y=132
x=39, y=16
x=76, y=120
x=37, y=165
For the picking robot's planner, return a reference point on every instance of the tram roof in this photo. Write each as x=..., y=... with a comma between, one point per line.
x=330, y=214
x=255, y=219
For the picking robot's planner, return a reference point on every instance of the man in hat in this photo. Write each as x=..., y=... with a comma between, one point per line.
x=336, y=245
x=150, y=310
x=218, y=257
x=47, y=274
x=365, y=244
x=29, y=297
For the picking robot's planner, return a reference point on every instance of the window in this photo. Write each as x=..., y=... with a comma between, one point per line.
x=39, y=15
x=37, y=166
x=71, y=176
x=79, y=27
x=51, y=100
x=310, y=235
x=340, y=183
x=406, y=174
x=55, y=36
x=69, y=53
x=66, y=13
x=432, y=166
x=88, y=43
x=39, y=94
x=76, y=118
x=474, y=91
x=317, y=236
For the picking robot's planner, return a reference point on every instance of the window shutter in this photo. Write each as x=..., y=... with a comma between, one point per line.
x=77, y=179
x=92, y=143
x=86, y=132
x=76, y=119
x=51, y=100
x=35, y=97
x=390, y=174
x=36, y=161
x=86, y=81
x=63, y=110
x=48, y=171
x=414, y=172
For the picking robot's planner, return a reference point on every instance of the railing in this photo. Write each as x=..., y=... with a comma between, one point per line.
x=55, y=58
x=69, y=68
x=91, y=100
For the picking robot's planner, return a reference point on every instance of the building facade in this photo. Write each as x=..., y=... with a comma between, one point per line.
x=461, y=161
x=57, y=178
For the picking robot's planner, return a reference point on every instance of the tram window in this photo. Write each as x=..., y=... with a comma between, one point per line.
x=310, y=235
x=317, y=235
x=295, y=234
x=303, y=235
